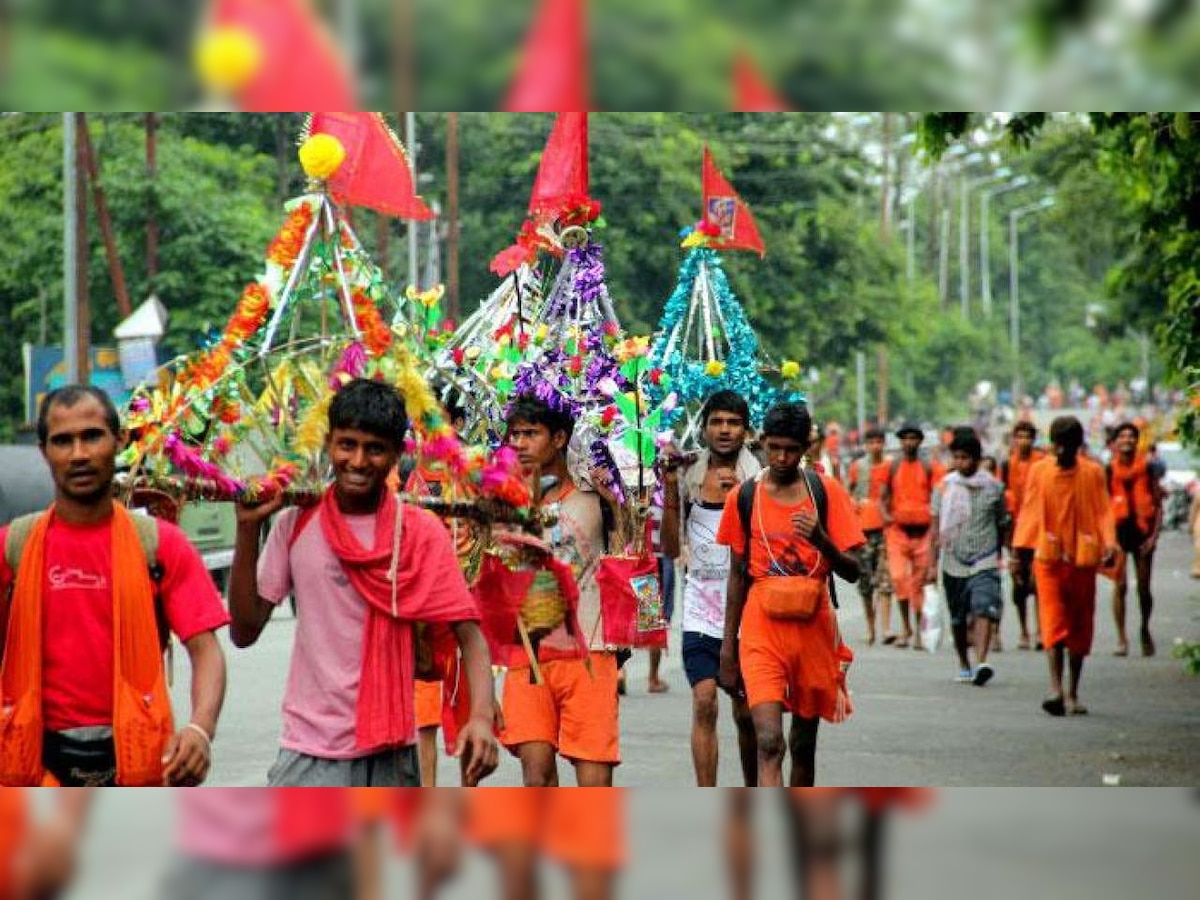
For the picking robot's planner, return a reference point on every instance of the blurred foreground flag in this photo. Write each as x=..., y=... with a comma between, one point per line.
x=375, y=172
x=751, y=92
x=272, y=56
x=728, y=211
x=553, y=74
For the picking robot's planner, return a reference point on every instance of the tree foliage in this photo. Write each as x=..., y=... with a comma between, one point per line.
x=830, y=286
x=1151, y=162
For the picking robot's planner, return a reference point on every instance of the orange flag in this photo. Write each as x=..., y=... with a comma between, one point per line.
x=751, y=92
x=553, y=75
x=729, y=212
x=563, y=173
x=376, y=172
x=298, y=66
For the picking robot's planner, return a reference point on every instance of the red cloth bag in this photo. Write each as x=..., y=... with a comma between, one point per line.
x=501, y=591
x=631, y=602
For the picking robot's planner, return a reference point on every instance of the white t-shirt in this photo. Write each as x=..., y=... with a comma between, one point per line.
x=707, y=573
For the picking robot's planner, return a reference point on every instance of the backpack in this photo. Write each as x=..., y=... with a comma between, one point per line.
x=147, y=531
x=745, y=504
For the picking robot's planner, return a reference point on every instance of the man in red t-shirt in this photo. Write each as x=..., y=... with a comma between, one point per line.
x=89, y=570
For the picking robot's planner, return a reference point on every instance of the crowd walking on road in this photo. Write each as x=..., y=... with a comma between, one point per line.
x=759, y=525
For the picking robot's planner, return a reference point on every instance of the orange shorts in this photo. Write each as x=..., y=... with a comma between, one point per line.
x=908, y=562
x=575, y=711
x=793, y=663
x=583, y=828
x=1066, y=606
x=429, y=704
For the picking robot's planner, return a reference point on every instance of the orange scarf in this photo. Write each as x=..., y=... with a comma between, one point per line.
x=1066, y=516
x=142, y=720
x=1131, y=493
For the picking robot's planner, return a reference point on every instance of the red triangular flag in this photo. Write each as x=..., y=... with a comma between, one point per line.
x=729, y=212
x=300, y=68
x=553, y=74
x=751, y=93
x=376, y=172
x=563, y=172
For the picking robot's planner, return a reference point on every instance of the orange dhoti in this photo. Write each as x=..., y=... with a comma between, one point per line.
x=908, y=561
x=582, y=829
x=1066, y=605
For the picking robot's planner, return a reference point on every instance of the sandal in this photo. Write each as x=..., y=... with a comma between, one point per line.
x=1076, y=709
x=889, y=639
x=1054, y=706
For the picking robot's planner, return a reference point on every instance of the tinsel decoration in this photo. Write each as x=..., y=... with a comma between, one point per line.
x=705, y=344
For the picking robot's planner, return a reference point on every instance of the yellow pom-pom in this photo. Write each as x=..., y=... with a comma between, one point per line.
x=789, y=369
x=715, y=368
x=321, y=155
x=227, y=58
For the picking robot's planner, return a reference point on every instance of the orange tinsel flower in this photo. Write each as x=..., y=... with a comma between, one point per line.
x=377, y=337
x=250, y=314
x=287, y=243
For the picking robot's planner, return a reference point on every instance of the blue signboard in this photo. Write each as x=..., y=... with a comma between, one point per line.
x=45, y=370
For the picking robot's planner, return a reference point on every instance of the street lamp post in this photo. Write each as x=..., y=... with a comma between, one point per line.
x=1014, y=284
x=985, y=266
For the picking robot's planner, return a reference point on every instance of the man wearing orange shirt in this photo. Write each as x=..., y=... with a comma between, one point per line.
x=868, y=476
x=907, y=496
x=1138, y=513
x=781, y=635
x=1067, y=521
x=1014, y=473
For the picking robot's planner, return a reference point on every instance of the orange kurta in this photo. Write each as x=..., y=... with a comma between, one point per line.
x=866, y=488
x=1133, y=493
x=1015, y=476
x=1067, y=520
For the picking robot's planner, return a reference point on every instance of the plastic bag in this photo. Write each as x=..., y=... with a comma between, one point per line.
x=932, y=615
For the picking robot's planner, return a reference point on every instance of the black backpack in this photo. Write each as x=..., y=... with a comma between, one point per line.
x=745, y=503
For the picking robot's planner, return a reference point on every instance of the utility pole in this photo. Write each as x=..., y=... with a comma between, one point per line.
x=76, y=336
x=115, y=271
x=70, y=261
x=151, y=215
x=1014, y=284
x=964, y=236
x=885, y=224
x=944, y=257
x=410, y=138
x=860, y=379
x=883, y=387
x=910, y=240
x=454, y=301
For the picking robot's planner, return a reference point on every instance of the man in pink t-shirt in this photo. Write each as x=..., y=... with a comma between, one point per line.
x=363, y=567
x=232, y=843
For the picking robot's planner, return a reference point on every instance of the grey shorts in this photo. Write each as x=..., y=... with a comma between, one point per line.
x=326, y=876
x=978, y=595
x=389, y=768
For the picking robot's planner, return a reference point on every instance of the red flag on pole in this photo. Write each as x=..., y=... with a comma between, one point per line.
x=296, y=65
x=728, y=211
x=376, y=172
x=751, y=92
x=562, y=176
x=553, y=74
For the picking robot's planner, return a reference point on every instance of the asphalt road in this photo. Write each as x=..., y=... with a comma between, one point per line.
x=1058, y=843
x=912, y=725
